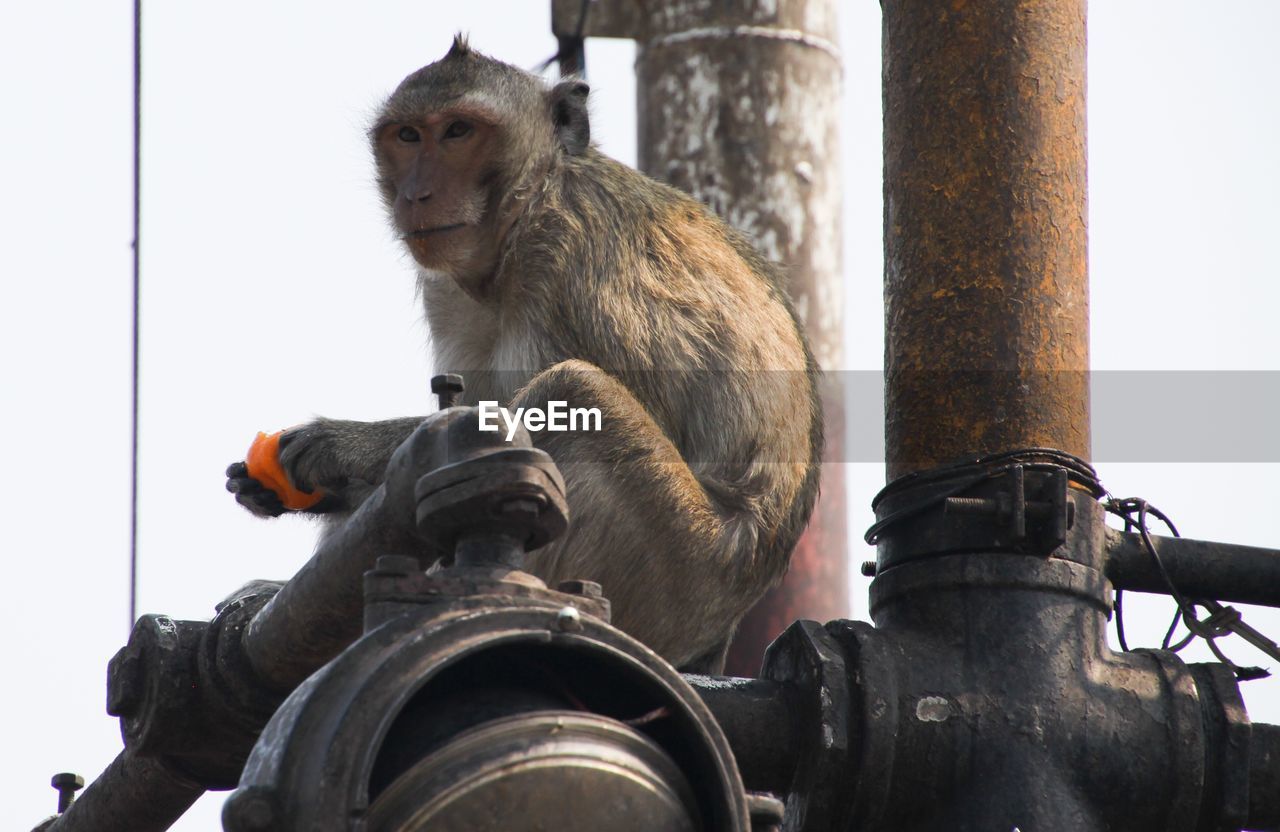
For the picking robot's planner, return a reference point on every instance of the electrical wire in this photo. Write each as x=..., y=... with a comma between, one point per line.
x=137, y=202
x=1222, y=620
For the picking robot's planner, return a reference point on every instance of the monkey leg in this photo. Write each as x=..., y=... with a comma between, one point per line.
x=679, y=569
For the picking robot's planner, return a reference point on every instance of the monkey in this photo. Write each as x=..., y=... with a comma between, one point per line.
x=551, y=272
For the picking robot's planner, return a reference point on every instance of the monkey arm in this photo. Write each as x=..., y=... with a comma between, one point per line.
x=643, y=525
x=328, y=453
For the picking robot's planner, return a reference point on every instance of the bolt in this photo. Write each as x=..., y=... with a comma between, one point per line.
x=568, y=620
x=447, y=388
x=869, y=568
x=591, y=589
x=977, y=505
x=67, y=783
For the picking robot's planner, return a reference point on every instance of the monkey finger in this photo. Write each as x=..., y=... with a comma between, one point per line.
x=265, y=504
x=244, y=485
x=256, y=497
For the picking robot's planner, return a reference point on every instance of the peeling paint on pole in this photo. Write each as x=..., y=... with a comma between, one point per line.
x=741, y=110
x=739, y=106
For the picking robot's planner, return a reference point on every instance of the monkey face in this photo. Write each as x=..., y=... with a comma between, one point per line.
x=435, y=167
x=461, y=146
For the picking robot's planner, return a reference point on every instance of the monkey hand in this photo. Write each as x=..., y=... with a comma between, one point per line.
x=284, y=471
x=253, y=495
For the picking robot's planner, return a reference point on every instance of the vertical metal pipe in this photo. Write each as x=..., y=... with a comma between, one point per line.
x=739, y=106
x=985, y=282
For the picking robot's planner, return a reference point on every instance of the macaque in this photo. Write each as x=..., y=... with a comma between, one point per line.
x=551, y=272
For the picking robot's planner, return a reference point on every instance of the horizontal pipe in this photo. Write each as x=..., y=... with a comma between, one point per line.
x=1199, y=569
x=312, y=619
x=759, y=720
x=318, y=612
x=141, y=794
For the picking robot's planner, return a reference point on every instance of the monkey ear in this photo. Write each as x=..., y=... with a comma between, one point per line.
x=569, y=115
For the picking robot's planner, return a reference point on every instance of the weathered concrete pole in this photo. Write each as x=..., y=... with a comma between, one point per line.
x=985, y=279
x=739, y=105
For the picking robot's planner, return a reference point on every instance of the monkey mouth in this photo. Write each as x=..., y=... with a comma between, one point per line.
x=423, y=233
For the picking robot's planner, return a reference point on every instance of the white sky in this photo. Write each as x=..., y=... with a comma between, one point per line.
x=272, y=289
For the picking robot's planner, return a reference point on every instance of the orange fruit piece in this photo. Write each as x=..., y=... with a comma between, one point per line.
x=263, y=462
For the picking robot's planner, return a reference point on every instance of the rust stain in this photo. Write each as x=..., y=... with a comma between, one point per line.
x=985, y=269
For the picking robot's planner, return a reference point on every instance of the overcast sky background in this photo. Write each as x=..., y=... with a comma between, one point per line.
x=272, y=290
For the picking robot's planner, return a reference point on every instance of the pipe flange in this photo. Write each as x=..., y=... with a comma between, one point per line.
x=408, y=688
x=152, y=684
x=806, y=657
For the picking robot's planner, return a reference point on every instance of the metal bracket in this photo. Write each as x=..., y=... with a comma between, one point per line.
x=1022, y=508
x=1054, y=513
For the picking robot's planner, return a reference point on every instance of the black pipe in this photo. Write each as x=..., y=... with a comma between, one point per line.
x=231, y=673
x=318, y=612
x=1199, y=569
x=759, y=719
x=141, y=794
x=1264, y=778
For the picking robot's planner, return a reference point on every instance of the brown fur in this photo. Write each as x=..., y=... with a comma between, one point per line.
x=586, y=282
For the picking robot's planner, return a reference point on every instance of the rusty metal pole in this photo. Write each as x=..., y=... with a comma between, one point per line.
x=985, y=281
x=739, y=105
x=989, y=696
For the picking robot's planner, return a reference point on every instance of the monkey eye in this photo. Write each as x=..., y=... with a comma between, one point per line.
x=409, y=134
x=457, y=130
